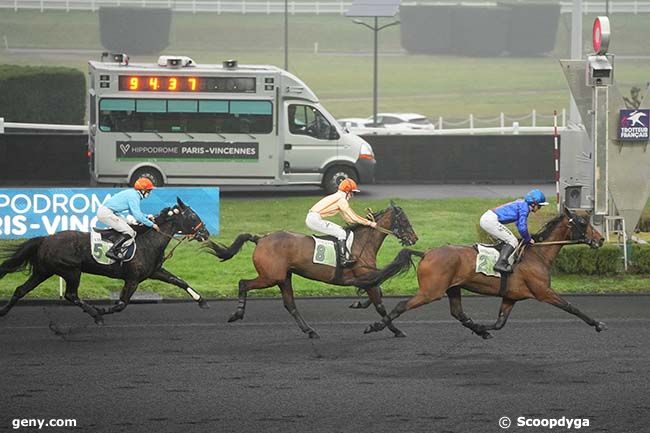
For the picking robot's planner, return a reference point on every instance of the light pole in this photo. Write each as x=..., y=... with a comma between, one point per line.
x=375, y=28
x=286, y=35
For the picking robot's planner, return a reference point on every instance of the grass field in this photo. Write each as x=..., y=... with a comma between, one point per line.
x=341, y=72
x=437, y=222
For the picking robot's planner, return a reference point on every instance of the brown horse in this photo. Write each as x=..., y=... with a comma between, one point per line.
x=278, y=255
x=450, y=268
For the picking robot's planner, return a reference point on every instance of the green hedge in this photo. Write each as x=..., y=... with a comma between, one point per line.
x=42, y=94
x=602, y=261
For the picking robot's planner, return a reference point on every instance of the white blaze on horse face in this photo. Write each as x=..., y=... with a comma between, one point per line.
x=193, y=294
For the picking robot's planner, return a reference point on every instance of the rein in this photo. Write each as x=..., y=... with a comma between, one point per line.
x=185, y=237
x=557, y=243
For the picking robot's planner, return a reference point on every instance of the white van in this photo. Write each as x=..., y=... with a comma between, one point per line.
x=182, y=123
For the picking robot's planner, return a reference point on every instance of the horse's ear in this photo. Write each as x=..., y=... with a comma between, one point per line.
x=180, y=203
x=392, y=204
x=567, y=212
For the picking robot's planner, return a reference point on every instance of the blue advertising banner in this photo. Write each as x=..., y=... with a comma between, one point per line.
x=634, y=125
x=41, y=211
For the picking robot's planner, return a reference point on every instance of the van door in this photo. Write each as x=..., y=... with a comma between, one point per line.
x=310, y=141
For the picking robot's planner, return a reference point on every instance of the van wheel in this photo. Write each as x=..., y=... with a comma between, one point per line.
x=335, y=175
x=150, y=173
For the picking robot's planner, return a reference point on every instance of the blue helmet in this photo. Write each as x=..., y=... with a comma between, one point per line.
x=535, y=196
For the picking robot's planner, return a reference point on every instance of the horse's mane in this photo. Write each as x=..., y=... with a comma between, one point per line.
x=375, y=216
x=546, y=230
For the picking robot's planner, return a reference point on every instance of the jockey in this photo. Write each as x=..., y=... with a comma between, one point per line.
x=127, y=200
x=330, y=206
x=517, y=211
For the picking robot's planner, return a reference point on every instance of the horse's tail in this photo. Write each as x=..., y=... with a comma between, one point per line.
x=226, y=253
x=401, y=263
x=19, y=257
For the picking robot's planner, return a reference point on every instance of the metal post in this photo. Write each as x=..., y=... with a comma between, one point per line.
x=374, y=85
x=286, y=35
x=576, y=50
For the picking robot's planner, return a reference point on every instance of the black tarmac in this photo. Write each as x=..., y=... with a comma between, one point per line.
x=177, y=368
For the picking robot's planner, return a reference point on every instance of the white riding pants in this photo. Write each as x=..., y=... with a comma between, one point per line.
x=108, y=217
x=490, y=223
x=315, y=222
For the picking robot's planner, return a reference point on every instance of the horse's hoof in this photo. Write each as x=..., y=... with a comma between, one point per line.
x=203, y=304
x=375, y=327
x=99, y=320
x=3, y=313
x=600, y=326
x=486, y=335
x=237, y=315
x=356, y=305
x=400, y=334
x=313, y=334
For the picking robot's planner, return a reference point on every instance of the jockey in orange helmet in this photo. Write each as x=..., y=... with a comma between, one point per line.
x=330, y=206
x=127, y=200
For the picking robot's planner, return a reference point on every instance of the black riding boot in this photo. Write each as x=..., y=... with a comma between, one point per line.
x=343, y=256
x=114, y=252
x=502, y=264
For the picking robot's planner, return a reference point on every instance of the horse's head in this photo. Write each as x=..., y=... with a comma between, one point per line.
x=394, y=219
x=582, y=231
x=185, y=220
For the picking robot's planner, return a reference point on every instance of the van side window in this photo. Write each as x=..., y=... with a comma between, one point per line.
x=307, y=120
x=186, y=116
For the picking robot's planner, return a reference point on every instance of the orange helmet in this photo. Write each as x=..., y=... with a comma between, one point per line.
x=143, y=184
x=348, y=185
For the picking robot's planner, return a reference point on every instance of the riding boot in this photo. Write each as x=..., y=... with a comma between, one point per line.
x=115, y=252
x=344, y=260
x=502, y=264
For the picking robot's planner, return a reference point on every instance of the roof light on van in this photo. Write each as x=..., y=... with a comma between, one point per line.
x=175, y=61
x=230, y=64
x=120, y=58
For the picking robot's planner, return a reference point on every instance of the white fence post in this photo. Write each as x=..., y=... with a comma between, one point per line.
x=471, y=123
x=2, y=125
x=564, y=117
x=440, y=123
x=534, y=117
x=502, y=122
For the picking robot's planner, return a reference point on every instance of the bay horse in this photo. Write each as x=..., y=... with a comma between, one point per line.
x=449, y=268
x=279, y=255
x=68, y=254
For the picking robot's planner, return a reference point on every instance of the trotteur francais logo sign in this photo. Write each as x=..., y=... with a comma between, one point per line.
x=634, y=125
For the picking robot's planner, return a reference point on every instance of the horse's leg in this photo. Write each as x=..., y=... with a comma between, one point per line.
x=166, y=276
x=456, y=309
x=127, y=292
x=421, y=298
x=364, y=303
x=72, y=279
x=290, y=304
x=550, y=297
x=244, y=287
x=374, y=295
x=34, y=280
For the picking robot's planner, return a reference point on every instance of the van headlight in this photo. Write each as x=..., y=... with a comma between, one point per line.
x=366, y=152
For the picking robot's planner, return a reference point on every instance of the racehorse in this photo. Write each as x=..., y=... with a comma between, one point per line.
x=68, y=254
x=450, y=268
x=280, y=254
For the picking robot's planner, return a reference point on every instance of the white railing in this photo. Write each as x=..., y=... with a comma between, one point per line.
x=277, y=7
x=501, y=124
x=41, y=126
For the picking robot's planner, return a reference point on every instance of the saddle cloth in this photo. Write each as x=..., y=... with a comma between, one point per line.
x=486, y=258
x=325, y=250
x=101, y=242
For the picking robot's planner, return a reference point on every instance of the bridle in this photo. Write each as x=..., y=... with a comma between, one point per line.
x=393, y=223
x=575, y=229
x=187, y=236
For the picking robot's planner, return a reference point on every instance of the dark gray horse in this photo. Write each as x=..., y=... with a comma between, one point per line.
x=67, y=254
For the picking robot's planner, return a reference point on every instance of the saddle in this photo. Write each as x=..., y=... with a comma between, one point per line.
x=325, y=252
x=487, y=256
x=101, y=240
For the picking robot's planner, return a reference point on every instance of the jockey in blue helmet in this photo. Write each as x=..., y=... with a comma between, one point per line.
x=493, y=220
